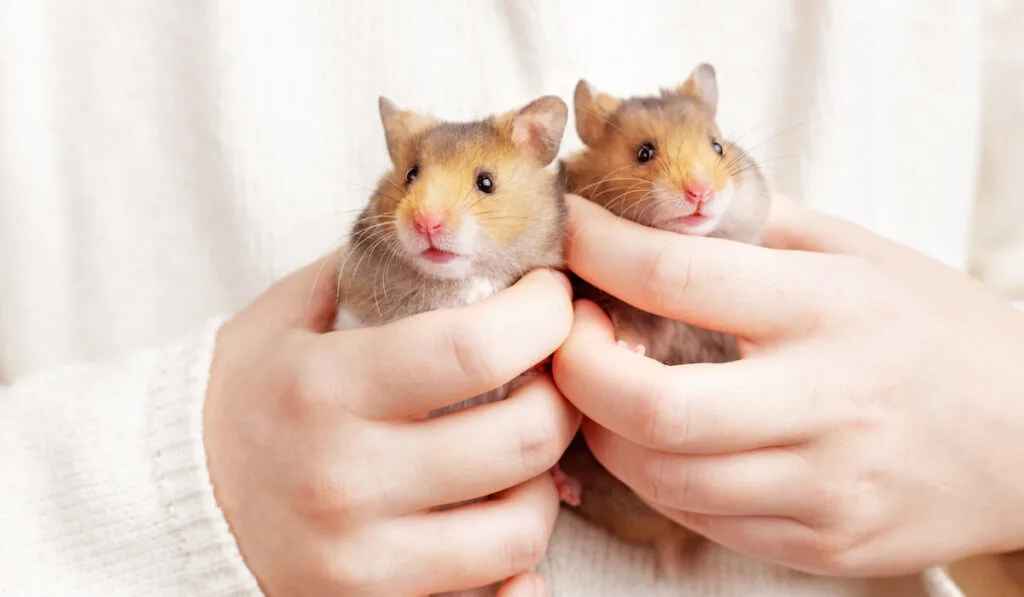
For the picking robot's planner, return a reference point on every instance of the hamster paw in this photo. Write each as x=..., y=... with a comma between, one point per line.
x=568, y=488
x=640, y=349
x=541, y=367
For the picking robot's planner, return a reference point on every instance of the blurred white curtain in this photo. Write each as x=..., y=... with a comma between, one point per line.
x=162, y=161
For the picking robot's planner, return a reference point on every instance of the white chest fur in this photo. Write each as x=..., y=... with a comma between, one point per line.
x=478, y=289
x=346, y=320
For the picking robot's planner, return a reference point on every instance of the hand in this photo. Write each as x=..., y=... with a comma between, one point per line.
x=328, y=473
x=873, y=425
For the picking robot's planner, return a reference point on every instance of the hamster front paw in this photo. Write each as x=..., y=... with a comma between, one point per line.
x=568, y=488
x=640, y=349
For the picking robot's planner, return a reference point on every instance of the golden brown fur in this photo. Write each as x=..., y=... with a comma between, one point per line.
x=518, y=227
x=522, y=224
x=680, y=125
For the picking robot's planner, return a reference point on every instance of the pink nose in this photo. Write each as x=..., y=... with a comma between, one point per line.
x=427, y=224
x=697, y=191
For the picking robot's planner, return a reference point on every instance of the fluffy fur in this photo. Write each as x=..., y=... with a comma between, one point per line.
x=496, y=237
x=679, y=125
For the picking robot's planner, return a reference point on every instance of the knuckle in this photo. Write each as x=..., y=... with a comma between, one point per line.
x=351, y=572
x=835, y=553
x=333, y=496
x=539, y=446
x=667, y=277
x=667, y=420
x=310, y=389
x=469, y=347
x=527, y=546
x=663, y=488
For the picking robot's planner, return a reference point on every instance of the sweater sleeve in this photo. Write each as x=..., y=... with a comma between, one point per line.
x=104, y=488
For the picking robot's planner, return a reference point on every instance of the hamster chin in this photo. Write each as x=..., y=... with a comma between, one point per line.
x=677, y=213
x=446, y=254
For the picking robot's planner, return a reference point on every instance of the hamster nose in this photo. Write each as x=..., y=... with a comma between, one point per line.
x=427, y=224
x=697, y=191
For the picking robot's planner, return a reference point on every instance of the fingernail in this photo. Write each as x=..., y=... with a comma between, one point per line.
x=540, y=588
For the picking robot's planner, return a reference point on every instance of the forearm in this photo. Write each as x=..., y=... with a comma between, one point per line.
x=105, y=489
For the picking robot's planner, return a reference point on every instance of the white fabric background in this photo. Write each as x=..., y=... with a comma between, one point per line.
x=162, y=161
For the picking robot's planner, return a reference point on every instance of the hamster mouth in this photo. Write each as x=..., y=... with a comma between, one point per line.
x=435, y=255
x=696, y=223
x=691, y=220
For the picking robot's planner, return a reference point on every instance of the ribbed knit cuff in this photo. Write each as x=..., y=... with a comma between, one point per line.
x=208, y=553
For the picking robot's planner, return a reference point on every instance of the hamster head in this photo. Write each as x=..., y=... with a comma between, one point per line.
x=659, y=160
x=471, y=198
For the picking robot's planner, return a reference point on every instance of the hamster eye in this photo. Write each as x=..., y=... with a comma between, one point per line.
x=645, y=153
x=717, y=147
x=412, y=174
x=485, y=182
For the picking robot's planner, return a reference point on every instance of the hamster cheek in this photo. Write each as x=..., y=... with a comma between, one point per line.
x=717, y=207
x=466, y=236
x=413, y=244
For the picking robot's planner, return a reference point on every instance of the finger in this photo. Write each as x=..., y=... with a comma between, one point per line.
x=482, y=450
x=527, y=584
x=795, y=227
x=785, y=542
x=774, y=539
x=699, y=408
x=732, y=287
x=767, y=482
x=431, y=360
x=305, y=299
x=479, y=544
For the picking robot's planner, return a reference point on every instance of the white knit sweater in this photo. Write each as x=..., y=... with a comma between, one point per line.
x=162, y=162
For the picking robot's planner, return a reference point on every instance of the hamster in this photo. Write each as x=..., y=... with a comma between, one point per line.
x=660, y=161
x=466, y=210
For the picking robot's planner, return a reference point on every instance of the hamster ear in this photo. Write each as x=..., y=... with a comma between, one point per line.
x=593, y=108
x=702, y=84
x=400, y=126
x=537, y=128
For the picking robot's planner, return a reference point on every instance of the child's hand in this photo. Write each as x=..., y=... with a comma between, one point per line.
x=876, y=419
x=323, y=465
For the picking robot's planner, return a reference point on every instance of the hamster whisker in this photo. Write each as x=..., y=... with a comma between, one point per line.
x=648, y=206
x=789, y=129
x=320, y=270
x=586, y=188
x=606, y=178
x=384, y=281
x=375, y=237
x=373, y=189
x=380, y=176
x=368, y=252
x=636, y=182
x=736, y=139
x=621, y=198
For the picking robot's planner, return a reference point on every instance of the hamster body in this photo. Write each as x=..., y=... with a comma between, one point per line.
x=659, y=161
x=465, y=211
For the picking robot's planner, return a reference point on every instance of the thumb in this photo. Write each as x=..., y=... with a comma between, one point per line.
x=796, y=227
x=305, y=299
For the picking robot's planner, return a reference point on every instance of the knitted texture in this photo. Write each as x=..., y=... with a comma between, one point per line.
x=163, y=162
x=105, y=489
